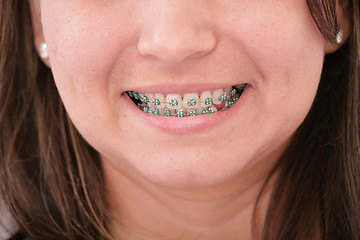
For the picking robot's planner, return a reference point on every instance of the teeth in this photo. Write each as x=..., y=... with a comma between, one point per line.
x=192, y=112
x=227, y=90
x=146, y=109
x=232, y=92
x=159, y=100
x=218, y=96
x=144, y=98
x=136, y=95
x=150, y=97
x=204, y=111
x=173, y=101
x=168, y=112
x=212, y=109
x=180, y=112
x=206, y=99
x=229, y=104
x=191, y=100
x=191, y=104
x=155, y=112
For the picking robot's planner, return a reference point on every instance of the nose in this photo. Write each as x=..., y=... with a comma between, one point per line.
x=173, y=33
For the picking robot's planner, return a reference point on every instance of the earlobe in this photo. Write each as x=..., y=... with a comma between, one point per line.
x=342, y=10
x=39, y=40
x=44, y=54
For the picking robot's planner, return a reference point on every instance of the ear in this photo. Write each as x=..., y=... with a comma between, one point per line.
x=343, y=14
x=35, y=10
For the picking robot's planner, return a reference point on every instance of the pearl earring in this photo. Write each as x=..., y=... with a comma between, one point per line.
x=339, y=37
x=43, y=50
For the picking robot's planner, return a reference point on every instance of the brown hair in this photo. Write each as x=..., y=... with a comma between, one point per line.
x=317, y=193
x=51, y=179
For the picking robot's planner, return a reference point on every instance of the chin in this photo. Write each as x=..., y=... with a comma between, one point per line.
x=190, y=169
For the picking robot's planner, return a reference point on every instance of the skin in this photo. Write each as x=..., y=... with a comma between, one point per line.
x=196, y=184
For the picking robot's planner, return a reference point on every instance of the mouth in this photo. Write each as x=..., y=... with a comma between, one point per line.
x=187, y=104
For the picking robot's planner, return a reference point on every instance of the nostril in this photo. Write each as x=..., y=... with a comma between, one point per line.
x=176, y=46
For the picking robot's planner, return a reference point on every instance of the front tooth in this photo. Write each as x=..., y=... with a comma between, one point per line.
x=218, y=96
x=191, y=100
x=192, y=112
x=180, y=112
x=159, y=100
x=206, y=99
x=173, y=101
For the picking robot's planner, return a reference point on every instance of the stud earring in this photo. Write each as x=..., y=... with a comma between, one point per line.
x=43, y=50
x=339, y=37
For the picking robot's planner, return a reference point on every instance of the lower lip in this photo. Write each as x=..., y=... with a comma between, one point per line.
x=188, y=124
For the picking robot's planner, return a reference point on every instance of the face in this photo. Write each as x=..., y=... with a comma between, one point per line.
x=99, y=50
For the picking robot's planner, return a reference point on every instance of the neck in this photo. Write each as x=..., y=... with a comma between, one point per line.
x=142, y=209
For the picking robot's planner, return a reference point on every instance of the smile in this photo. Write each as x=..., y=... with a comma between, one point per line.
x=188, y=104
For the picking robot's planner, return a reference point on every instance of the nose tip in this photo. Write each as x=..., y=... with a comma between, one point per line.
x=176, y=45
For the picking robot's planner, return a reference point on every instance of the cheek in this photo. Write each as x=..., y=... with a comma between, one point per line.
x=84, y=47
x=85, y=44
x=287, y=49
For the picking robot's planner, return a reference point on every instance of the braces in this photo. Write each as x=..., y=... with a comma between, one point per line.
x=228, y=99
